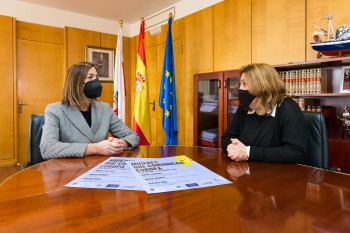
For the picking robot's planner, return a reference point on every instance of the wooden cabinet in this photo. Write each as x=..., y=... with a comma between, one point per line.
x=215, y=102
x=330, y=100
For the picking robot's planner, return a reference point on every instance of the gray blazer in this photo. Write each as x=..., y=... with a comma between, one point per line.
x=67, y=134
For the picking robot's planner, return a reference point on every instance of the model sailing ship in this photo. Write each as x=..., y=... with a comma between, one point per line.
x=337, y=44
x=345, y=118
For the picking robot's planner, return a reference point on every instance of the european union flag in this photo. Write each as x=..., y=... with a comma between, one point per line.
x=167, y=97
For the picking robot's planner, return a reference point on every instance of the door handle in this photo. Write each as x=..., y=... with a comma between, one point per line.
x=154, y=105
x=20, y=104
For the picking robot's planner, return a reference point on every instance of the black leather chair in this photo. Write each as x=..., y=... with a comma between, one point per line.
x=34, y=137
x=318, y=140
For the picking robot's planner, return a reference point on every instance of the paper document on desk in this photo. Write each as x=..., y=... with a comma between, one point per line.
x=113, y=173
x=173, y=174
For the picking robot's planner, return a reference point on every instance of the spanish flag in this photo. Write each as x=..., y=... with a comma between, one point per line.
x=142, y=119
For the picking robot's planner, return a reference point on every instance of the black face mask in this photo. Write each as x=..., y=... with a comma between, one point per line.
x=93, y=89
x=245, y=98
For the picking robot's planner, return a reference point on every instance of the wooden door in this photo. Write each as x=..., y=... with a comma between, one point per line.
x=153, y=88
x=7, y=90
x=40, y=75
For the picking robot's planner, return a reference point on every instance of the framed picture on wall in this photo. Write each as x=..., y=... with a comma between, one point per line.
x=103, y=59
x=345, y=80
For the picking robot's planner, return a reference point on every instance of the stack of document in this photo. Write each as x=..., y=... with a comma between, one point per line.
x=210, y=134
x=153, y=175
x=209, y=107
x=232, y=109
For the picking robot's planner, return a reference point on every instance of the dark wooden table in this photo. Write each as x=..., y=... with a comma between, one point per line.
x=262, y=198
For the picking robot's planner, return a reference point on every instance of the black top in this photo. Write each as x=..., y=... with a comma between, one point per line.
x=87, y=116
x=279, y=139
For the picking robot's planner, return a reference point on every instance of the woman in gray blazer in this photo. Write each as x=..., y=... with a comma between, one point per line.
x=78, y=125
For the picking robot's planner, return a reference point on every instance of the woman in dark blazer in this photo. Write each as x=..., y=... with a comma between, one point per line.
x=78, y=125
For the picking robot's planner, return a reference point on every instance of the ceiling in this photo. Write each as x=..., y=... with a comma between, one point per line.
x=130, y=11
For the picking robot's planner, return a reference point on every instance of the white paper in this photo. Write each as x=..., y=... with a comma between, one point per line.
x=113, y=173
x=173, y=174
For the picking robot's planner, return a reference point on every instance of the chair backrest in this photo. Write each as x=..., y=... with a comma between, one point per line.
x=318, y=140
x=34, y=137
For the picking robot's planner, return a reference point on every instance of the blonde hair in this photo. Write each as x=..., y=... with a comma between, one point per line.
x=266, y=85
x=73, y=94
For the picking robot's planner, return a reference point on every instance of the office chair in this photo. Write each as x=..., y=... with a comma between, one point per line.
x=34, y=138
x=318, y=140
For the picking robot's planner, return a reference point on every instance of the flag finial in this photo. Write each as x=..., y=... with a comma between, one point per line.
x=121, y=23
x=170, y=15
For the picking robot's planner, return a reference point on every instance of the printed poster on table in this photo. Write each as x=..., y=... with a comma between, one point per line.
x=113, y=173
x=173, y=174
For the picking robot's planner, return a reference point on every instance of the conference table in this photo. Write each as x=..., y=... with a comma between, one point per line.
x=262, y=197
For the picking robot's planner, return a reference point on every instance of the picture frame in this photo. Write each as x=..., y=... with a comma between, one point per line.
x=345, y=80
x=103, y=59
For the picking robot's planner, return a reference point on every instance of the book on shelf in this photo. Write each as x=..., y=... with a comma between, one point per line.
x=210, y=134
x=208, y=107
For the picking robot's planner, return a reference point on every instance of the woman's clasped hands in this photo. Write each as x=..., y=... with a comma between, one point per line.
x=237, y=151
x=111, y=146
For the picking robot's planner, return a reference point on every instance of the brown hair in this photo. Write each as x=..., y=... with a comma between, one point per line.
x=266, y=85
x=72, y=94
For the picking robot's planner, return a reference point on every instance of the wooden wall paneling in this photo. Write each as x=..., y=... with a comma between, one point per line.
x=38, y=32
x=278, y=31
x=8, y=124
x=198, y=58
x=198, y=41
x=77, y=40
x=39, y=76
x=318, y=9
x=108, y=41
x=232, y=34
